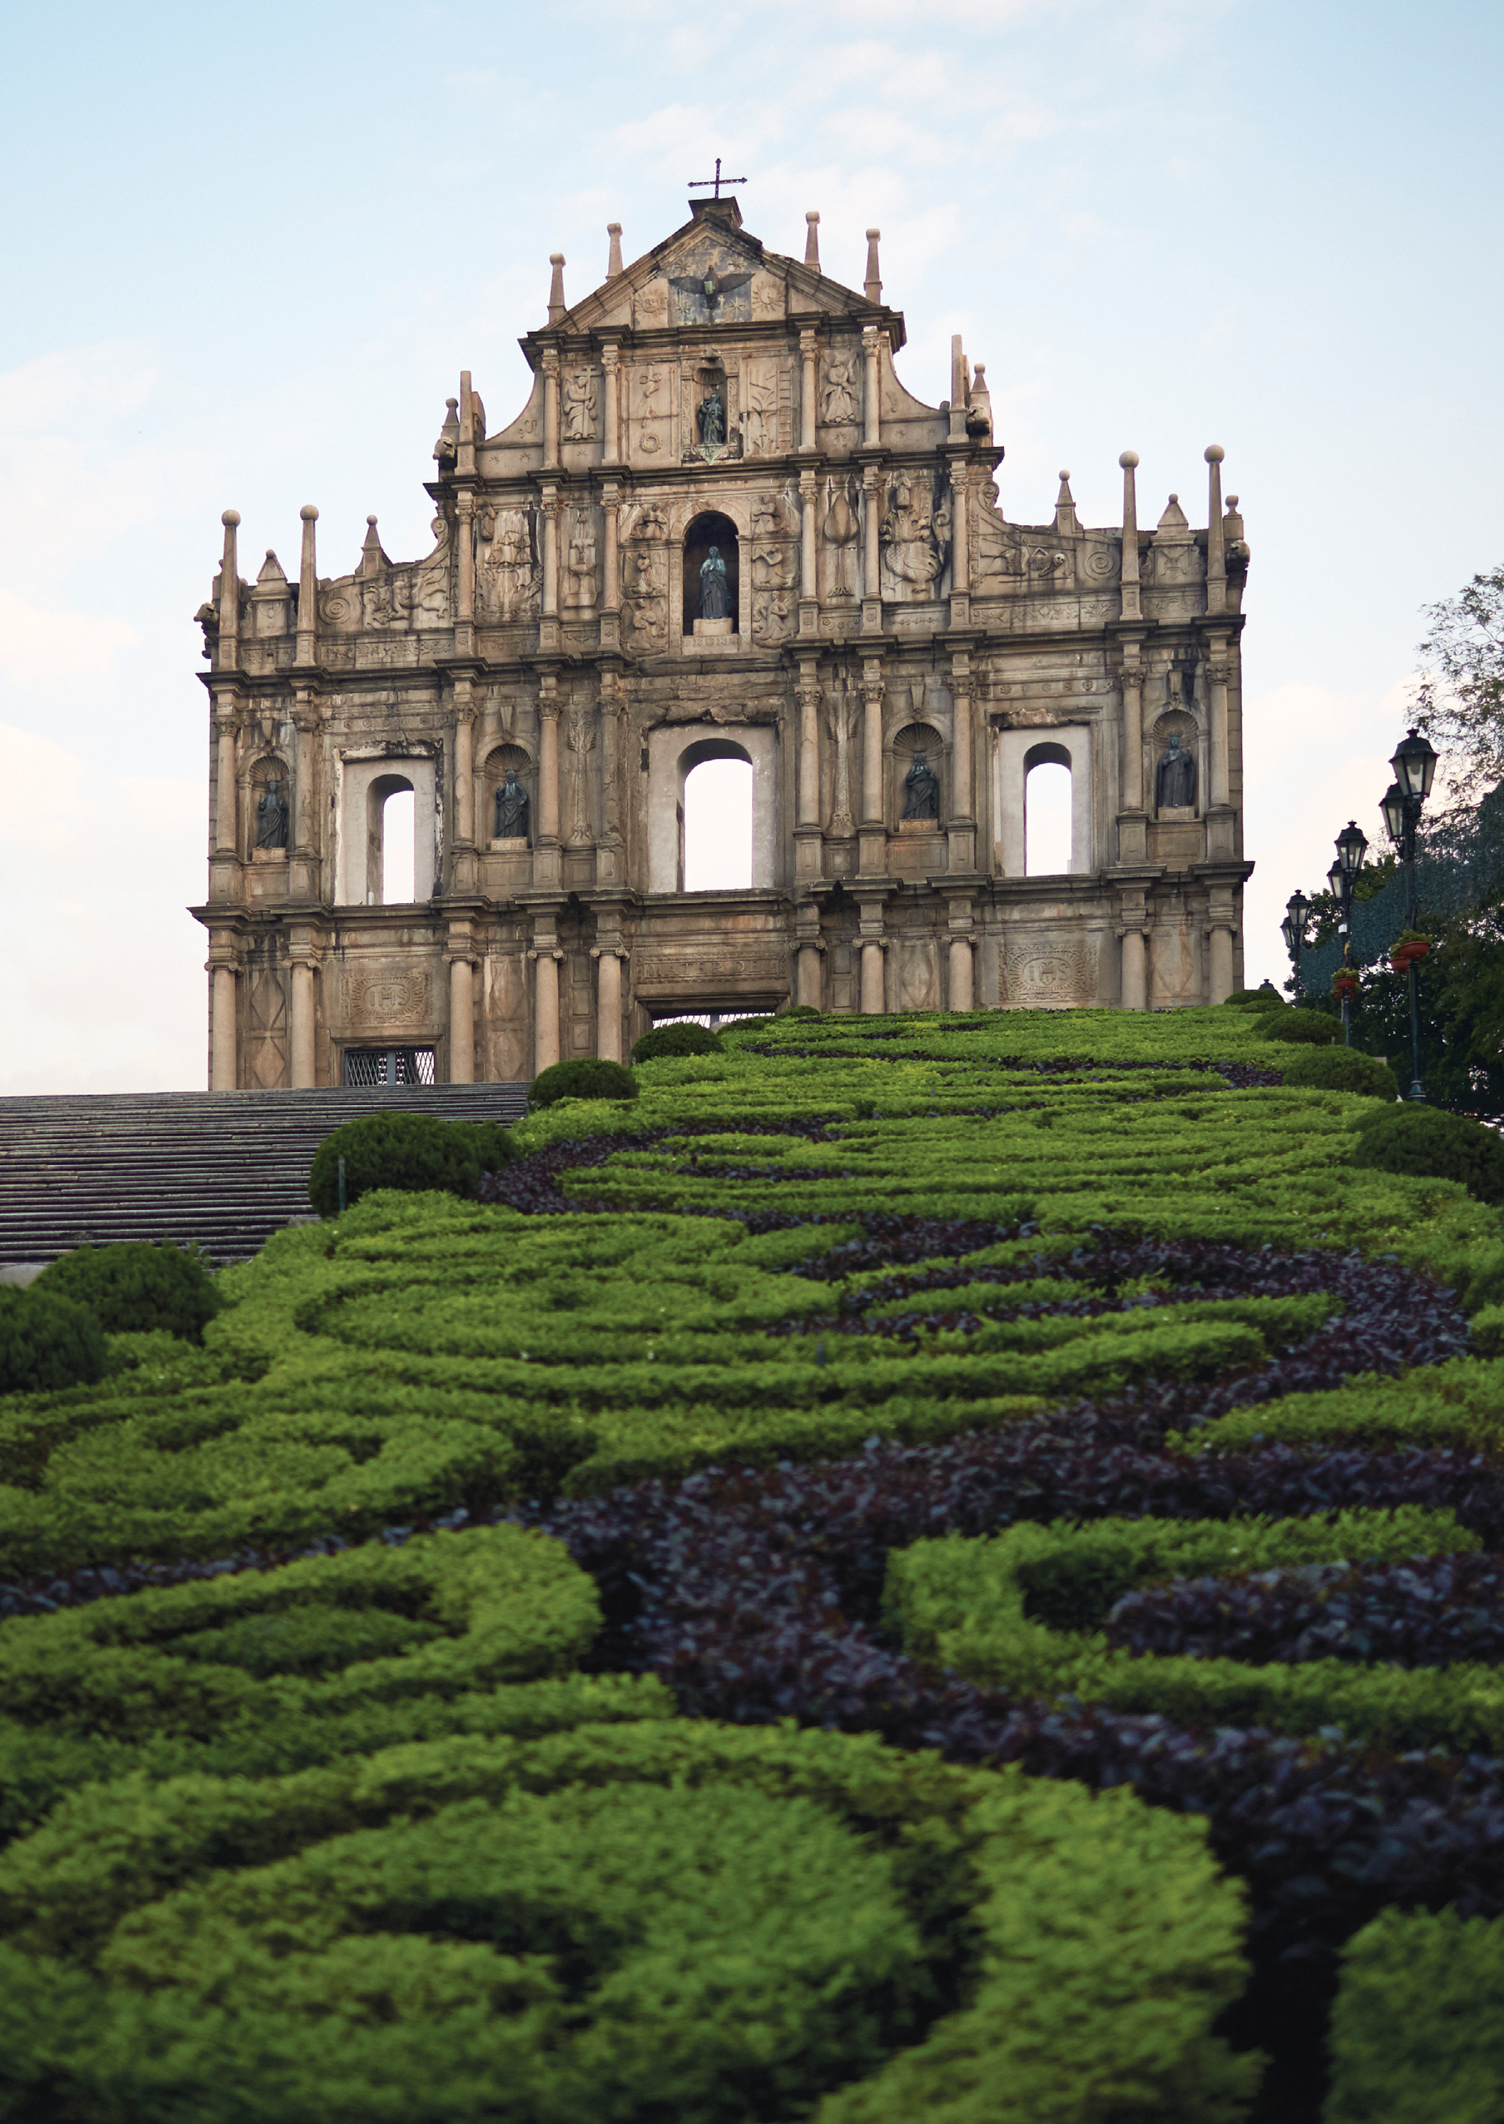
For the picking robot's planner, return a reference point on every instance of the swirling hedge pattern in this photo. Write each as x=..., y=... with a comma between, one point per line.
x=870, y=1372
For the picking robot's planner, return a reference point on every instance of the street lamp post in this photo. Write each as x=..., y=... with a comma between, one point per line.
x=1297, y=909
x=1414, y=766
x=1352, y=846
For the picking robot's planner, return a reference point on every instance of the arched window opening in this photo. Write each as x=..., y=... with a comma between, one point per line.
x=716, y=813
x=391, y=858
x=1047, y=812
x=712, y=576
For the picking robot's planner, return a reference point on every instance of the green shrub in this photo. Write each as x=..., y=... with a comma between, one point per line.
x=677, y=1919
x=1019, y=1612
x=1424, y=1139
x=676, y=1040
x=1455, y=1404
x=1304, y=1028
x=1265, y=998
x=47, y=1341
x=134, y=1288
x=801, y=1010
x=1341, y=1069
x=586, y=1077
x=1417, y=2033
x=411, y=1152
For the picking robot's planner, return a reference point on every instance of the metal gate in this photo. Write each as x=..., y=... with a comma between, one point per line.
x=389, y=1065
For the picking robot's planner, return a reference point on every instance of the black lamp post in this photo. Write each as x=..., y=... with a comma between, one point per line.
x=1414, y=765
x=1352, y=846
x=1293, y=927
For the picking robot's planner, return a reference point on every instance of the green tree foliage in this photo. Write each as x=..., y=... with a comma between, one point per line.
x=407, y=1151
x=135, y=1288
x=1459, y=703
x=586, y=1077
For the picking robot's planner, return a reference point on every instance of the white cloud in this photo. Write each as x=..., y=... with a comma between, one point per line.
x=37, y=646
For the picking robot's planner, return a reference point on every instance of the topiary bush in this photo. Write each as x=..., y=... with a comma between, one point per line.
x=415, y=1152
x=587, y=1077
x=47, y=1341
x=801, y=1010
x=1438, y=1145
x=1342, y=1069
x=676, y=1040
x=1265, y=998
x=1303, y=1028
x=136, y=1287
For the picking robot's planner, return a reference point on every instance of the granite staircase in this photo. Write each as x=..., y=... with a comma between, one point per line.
x=219, y=1170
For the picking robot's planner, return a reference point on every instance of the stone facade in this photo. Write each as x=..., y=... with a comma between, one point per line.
x=878, y=604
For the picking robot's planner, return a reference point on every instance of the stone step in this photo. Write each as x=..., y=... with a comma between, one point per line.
x=219, y=1170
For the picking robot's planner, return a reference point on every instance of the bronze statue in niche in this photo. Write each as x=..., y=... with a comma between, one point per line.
x=921, y=790
x=715, y=593
x=511, y=809
x=271, y=816
x=1175, y=778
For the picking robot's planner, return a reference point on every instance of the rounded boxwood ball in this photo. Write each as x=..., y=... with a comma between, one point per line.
x=801, y=1010
x=415, y=1152
x=1302, y=1028
x=676, y=1040
x=1341, y=1069
x=46, y=1342
x=1426, y=1140
x=584, y=1078
x=135, y=1287
x=1265, y=998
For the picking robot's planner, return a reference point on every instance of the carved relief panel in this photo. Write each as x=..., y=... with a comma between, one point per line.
x=644, y=580
x=651, y=396
x=507, y=574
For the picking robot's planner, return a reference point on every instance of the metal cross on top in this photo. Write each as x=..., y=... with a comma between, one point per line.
x=697, y=184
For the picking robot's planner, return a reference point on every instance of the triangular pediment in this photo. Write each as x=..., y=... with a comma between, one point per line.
x=703, y=274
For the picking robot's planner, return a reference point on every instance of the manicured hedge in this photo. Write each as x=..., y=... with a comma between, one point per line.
x=1423, y=1139
x=406, y=1151
x=583, y=1078
x=1302, y=1028
x=619, y=1922
x=1341, y=1069
x=135, y=1288
x=1016, y=1613
x=1418, y=2025
x=671, y=1040
x=47, y=1341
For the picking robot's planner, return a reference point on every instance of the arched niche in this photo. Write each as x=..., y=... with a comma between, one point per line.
x=364, y=786
x=1014, y=753
x=711, y=528
x=908, y=743
x=498, y=762
x=264, y=771
x=673, y=754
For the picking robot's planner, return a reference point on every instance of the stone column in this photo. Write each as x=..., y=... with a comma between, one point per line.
x=1135, y=986
x=1216, y=552
x=610, y=406
x=308, y=590
x=227, y=652
x=464, y=763
x=871, y=407
x=546, y=1010
x=226, y=808
x=1217, y=674
x=872, y=584
x=872, y=833
x=872, y=977
x=809, y=388
x=464, y=607
x=550, y=553
x=548, y=768
x=961, y=990
x=809, y=574
x=550, y=407
x=1132, y=681
x=807, y=693
x=225, y=1059
x=1220, y=968
x=807, y=975
x=611, y=565
x=461, y=1021
x=962, y=836
x=608, y=1005
x=960, y=552
x=302, y=1025
x=1130, y=598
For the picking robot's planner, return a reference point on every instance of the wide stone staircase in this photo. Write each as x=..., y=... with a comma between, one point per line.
x=222, y=1170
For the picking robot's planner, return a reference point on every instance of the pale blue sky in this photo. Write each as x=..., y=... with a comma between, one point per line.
x=246, y=255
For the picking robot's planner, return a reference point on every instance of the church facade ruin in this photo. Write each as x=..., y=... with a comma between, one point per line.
x=720, y=528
